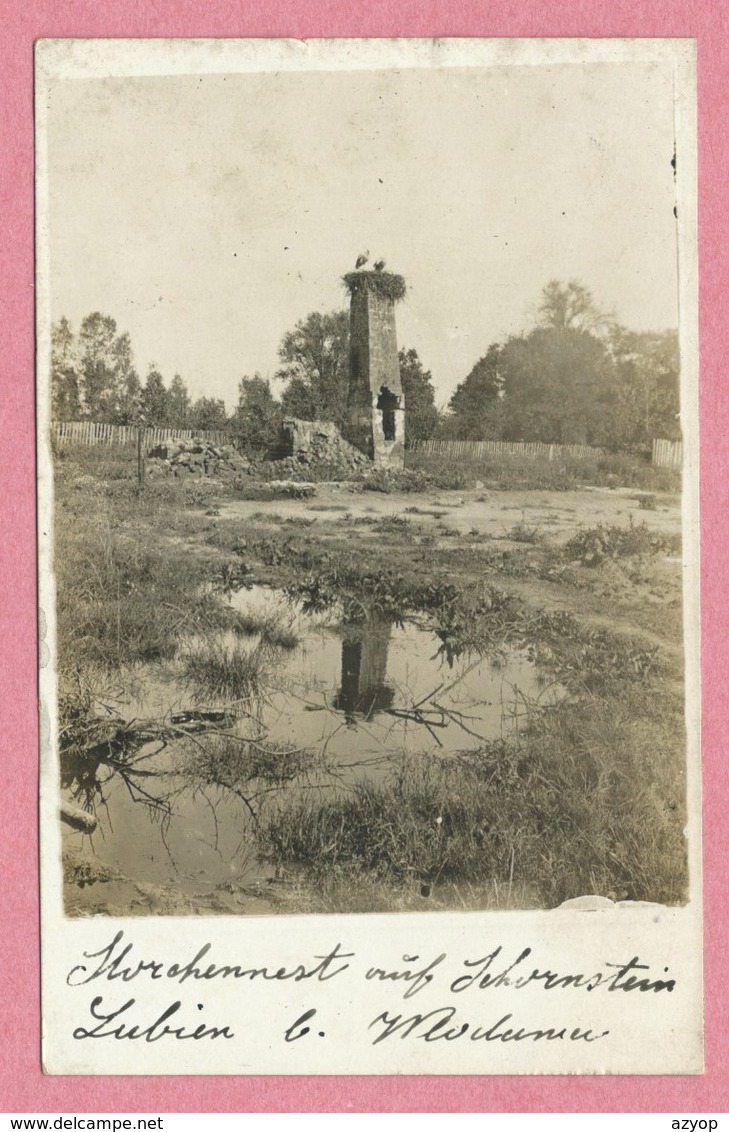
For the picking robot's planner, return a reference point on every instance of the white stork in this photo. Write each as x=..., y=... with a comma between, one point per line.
x=362, y=260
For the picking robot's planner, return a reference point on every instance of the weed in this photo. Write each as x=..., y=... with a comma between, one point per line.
x=386, y=480
x=122, y=600
x=393, y=524
x=592, y=545
x=522, y=532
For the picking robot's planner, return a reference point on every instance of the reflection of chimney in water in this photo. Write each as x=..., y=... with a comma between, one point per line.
x=364, y=672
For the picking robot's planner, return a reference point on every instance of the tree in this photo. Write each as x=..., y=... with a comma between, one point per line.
x=315, y=357
x=98, y=378
x=570, y=306
x=647, y=404
x=154, y=399
x=257, y=419
x=476, y=408
x=178, y=403
x=575, y=378
x=558, y=387
x=127, y=386
x=208, y=413
x=421, y=415
x=65, y=383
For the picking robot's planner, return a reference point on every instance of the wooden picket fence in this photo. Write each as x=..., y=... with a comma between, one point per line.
x=93, y=432
x=478, y=449
x=668, y=453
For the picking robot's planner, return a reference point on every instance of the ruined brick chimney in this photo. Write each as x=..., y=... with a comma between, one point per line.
x=375, y=401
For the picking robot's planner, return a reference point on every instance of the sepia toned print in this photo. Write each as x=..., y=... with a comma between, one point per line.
x=366, y=403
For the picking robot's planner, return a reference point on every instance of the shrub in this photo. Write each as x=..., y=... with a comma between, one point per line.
x=522, y=532
x=592, y=545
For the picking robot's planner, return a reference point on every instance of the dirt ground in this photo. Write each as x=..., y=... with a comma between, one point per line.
x=556, y=515
x=628, y=595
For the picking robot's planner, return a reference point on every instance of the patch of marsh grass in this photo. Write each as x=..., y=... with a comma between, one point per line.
x=268, y=627
x=588, y=801
x=227, y=672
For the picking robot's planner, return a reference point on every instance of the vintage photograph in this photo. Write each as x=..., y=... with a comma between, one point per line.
x=364, y=406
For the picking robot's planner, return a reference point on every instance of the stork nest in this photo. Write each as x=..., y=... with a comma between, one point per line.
x=383, y=283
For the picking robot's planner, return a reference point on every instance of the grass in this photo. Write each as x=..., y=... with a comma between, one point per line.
x=224, y=672
x=268, y=627
x=523, y=474
x=130, y=587
x=576, y=806
x=103, y=462
x=122, y=600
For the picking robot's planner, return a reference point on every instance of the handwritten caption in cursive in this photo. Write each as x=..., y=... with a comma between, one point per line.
x=119, y=963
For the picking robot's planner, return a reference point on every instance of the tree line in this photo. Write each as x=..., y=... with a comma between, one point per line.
x=93, y=377
x=575, y=377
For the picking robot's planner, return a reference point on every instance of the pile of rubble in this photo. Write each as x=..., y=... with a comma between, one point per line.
x=196, y=457
x=315, y=450
x=309, y=451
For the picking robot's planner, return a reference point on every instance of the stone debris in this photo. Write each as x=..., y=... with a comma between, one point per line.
x=196, y=457
x=314, y=450
x=310, y=451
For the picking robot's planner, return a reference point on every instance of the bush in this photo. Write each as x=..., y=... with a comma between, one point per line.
x=388, y=480
x=593, y=545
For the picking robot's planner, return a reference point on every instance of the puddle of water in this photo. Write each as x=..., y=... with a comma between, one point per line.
x=369, y=690
x=357, y=696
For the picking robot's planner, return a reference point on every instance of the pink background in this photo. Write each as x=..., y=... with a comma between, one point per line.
x=25, y=1088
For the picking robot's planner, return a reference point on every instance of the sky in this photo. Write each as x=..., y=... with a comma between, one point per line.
x=209, y=213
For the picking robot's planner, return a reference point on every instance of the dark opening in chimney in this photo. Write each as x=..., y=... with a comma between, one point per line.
x=387, y=402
